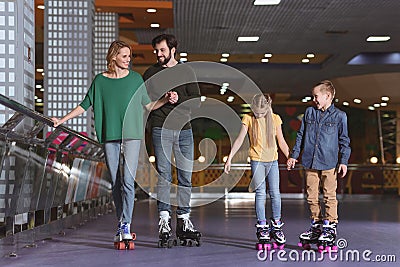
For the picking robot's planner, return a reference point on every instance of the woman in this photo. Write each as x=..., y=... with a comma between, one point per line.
x=111, y=94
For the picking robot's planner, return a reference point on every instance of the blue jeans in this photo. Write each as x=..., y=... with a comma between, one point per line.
x=262, y=171
x=123, y=186
x=180, y=142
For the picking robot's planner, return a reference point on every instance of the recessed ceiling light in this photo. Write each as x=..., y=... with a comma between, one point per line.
x=377, y=105
x=384, y=104
x=371, y=108
x=151, y=10
x=310, y=55
x=225, y=85
x=38, y=86
x=268, y=55
x=357, y=101
x=305, y=60
x=345, y=103
x=183, y=54
x=248, y=38
x=304, y=100
x=225, y=55
x=264, y=60
x=230, y=99
x=224, y=59
x=385, y=98
x=378, y=38
x=41, y=89
x=308, y=98
x=183, y=59
x=155, y=25
x=41, y=7
x=39, y=70
x=266, y=2
x=222, y=91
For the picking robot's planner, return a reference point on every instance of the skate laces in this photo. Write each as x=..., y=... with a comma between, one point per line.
x=263, y=229
x=125, y=228
x=164, y=225
x=187, y=225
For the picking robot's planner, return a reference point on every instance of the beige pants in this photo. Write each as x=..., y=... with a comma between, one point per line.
x=327, y=180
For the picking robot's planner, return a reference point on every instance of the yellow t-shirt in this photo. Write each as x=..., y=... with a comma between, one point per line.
x=259, y=151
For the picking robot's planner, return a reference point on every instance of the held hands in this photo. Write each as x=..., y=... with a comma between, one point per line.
x=172, y=97
x=290, y=163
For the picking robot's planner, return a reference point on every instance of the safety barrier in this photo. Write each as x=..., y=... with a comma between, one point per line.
x=47, y=183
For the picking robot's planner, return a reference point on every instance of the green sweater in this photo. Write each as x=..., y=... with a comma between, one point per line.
x=118, y=106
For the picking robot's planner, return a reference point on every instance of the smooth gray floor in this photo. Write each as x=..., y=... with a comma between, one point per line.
x=228, y=238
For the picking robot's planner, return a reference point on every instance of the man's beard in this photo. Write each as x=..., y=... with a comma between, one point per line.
x=165, y=62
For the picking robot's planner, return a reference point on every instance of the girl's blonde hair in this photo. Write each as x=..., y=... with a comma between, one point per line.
x=262, y=104
x=113, y=51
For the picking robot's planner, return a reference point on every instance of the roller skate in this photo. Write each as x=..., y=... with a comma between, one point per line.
x=311, y=235
x=326, y=241
x=185, y=232
x=277, y=234
x=164, y=231
x=263, y=236
x=123, y=240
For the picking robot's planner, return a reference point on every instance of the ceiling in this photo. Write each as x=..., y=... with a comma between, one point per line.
x=334, y=30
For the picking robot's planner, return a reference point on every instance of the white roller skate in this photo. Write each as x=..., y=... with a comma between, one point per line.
x=263, y=236
x=277, y=234
x=311, y=235
x=326, y=241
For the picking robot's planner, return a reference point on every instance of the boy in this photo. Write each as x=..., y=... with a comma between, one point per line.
x=323, y=137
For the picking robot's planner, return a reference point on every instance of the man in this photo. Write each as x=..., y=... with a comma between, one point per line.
x=171, y=132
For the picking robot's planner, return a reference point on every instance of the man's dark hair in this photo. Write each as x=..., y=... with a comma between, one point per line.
x=169, y=39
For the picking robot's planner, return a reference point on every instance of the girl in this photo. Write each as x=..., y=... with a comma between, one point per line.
x=114, y=94
x=264, y=128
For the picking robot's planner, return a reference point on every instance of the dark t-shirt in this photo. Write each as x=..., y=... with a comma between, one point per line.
x=181, y=79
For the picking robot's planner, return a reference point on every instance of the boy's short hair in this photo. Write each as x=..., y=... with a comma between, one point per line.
x=327, y=86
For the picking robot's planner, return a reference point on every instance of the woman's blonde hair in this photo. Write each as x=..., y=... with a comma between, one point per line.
x=262, y=104
x=113, y=51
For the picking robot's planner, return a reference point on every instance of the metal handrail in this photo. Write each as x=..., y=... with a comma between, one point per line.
x=93, y=149
x=12, y=104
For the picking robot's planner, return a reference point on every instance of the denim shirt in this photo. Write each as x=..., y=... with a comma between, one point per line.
x=324, y=139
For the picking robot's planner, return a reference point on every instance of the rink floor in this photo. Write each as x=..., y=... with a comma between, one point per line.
x=369, y=228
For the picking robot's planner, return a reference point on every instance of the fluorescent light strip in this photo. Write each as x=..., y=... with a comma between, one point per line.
x=378, y=38
x=155, y=25
x=266, y=2
x=248, y=38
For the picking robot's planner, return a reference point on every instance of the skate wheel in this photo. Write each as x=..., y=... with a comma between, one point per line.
x=335, y=249
x=159, y=244
x=175, y=242
x=133, y=236
x=259, y=246
x=307, y=246
x=275, y=245
x=267, y=246
x=131, y=246
x=320, y=249
x=183, y=243
x=282, y=246
x=198, y=244
x=121, y=246
x=170, y=243
x=190, y=243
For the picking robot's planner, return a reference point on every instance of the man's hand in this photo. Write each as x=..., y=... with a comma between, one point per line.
x=172, y=97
